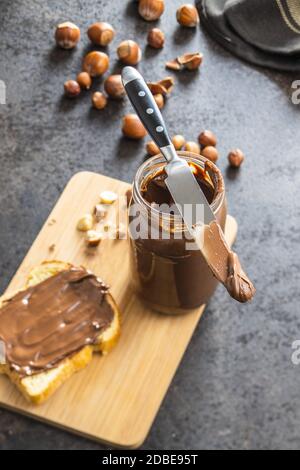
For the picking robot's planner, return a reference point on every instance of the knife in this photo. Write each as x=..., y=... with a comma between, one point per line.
x=185, y=191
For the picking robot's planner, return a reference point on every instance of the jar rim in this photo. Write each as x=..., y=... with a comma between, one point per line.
x=191, y=157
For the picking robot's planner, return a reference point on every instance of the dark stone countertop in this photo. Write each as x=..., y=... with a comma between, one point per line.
x=236, y=386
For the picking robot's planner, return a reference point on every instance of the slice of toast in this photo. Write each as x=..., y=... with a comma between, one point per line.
x=39, y=387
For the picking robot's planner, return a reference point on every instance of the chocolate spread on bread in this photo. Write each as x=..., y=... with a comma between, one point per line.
x=54, y=319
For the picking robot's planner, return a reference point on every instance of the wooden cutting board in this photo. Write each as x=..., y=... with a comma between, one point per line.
x=115, y=399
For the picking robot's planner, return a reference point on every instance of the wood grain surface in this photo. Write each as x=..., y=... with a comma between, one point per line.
x=115, y=399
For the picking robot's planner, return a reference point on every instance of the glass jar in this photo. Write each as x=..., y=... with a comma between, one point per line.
x=168, y=275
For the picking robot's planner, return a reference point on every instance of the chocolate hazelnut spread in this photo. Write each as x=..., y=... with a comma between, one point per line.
x=225, y=264
x=168, y=275
x=52, y=320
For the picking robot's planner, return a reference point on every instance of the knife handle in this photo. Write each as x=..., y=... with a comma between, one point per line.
x=145, y=106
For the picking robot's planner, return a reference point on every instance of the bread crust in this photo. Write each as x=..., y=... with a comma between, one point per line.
x=39, y=387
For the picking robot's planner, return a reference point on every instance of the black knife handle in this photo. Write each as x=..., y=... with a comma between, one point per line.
x=145, y=106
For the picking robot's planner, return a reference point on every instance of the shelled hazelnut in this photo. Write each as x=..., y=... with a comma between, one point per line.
x=156, y=38
x=101, y=34
x=192, y=147
x=151, y=10
x=108, y=197
x=132, y=127
x=152, y=148
x=85, y=223
x=207, y=138
x=95, y=63
x=72, y=88
x=159, y=100
x=99, y=100
x=178, y=141
x=114, y=87
x=129, y=52
x=211, y=153
x=236, y=158
x=67, y=35
x=187, y=15
x=84, y=80
x=100, y=212
x=93, y=238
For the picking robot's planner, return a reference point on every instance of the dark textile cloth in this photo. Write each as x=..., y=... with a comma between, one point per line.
x=264, y=32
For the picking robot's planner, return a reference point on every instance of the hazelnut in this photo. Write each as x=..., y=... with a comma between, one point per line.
x=211, y=153
x=151, y=10
x=129, y=52
x=100, y=212
x=132, y=127
x=67, y=35
x=101, y=34
x=152, y=148
x=99, y=100
x=187, y=15
x=207, y=138
x=95, y=63
x=156, y=38
x=236, y=158
x=159, y=100
x=108, y=197
x=114, y=87
x=93, y=238
x=72, y=88
x=192, y=147
x=178, y=141
x=85, y=223
x=84, y=80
